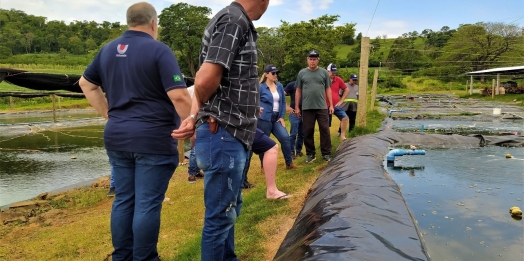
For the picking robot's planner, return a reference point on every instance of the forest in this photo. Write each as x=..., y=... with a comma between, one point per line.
x=444, y=54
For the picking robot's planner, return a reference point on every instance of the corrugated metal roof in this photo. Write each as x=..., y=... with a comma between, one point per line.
x=502, y=70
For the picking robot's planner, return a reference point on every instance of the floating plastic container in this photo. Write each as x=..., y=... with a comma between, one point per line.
x=496, y=111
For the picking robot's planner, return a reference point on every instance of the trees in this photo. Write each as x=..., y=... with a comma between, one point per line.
x=319, y=34
x=272, y=50
x=182, y=28
x=404, y=56
x=23, y=33
x=482, y=45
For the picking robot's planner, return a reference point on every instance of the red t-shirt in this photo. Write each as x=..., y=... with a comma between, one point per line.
x=336, y=84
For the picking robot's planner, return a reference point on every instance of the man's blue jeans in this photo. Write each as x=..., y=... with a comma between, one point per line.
x=222, y=157
x=192, y=169
x=280, y=133
x=297, y=134
x=141, y=182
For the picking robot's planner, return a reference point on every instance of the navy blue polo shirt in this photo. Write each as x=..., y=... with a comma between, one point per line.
x=291, y=90
x=136, y=72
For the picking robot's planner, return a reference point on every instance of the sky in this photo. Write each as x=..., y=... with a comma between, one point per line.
x=391, y=18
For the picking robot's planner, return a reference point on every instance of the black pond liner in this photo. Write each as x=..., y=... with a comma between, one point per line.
x=355, y=211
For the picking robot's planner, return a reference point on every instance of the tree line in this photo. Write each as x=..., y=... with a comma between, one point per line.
x=443, y=53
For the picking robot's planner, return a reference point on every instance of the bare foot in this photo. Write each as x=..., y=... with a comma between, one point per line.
x=279, y=196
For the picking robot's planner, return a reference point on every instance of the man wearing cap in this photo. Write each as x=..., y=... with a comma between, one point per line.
x=312, y=86
x=351, y=100
x=338, y=85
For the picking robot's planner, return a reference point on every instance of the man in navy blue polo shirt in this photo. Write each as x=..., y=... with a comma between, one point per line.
x=145, y=100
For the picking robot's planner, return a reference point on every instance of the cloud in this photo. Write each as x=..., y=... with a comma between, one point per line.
x=325, y=4
x=391, y=28
x=306, y=6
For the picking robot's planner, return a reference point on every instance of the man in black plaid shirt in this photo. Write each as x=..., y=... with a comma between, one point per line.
x=225, y=103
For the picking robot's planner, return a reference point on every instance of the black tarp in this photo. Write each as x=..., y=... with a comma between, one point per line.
x=355, y=211
x=41, y=81
x=47, y=81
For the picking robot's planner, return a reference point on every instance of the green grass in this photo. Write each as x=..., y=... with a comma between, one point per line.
x=343, y=50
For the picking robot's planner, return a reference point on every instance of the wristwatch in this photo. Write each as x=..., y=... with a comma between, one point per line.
x=192, y=116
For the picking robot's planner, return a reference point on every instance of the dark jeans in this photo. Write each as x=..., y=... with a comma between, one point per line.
x=141, y=182
x=321, y=116
x=297, y=133
x=352, y=115
x=223, y=158
x=192, y=169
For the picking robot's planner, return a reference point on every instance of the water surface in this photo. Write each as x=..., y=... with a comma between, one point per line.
x=33, y=163
x=461, y=200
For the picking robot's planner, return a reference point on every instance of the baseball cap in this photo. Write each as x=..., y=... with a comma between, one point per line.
x=270, y=68
x=353, y=77
x=313, y=53
x=332, y=68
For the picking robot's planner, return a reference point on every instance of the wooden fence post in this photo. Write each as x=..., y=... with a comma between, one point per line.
x=11, y=103
x=181, y=151
x=374, y=91
x=363, y=83
x=493, y=89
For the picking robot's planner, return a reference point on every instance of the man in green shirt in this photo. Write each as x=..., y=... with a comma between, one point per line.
x=313, y=86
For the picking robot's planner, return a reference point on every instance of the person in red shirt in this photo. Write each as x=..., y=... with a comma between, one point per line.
x=337, y=87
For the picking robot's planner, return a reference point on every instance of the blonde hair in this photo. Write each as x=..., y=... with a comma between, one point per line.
x=263, y=78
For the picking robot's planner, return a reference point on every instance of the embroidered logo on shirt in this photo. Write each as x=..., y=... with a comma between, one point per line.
x=177, y=78
x=121, y=49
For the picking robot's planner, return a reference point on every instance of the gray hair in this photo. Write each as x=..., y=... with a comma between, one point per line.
x=140, y=14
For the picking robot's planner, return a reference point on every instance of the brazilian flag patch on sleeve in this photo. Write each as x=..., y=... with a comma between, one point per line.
x=177, y=78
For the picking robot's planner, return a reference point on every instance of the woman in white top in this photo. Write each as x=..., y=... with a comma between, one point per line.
x=273, y=104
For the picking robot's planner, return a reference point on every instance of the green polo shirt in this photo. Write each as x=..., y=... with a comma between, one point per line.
x=313, y=85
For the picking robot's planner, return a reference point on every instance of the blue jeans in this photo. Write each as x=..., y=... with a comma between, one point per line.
x=192, y=169
x=222, y=157
x=297, y=134
x=339, y=112
x=111, y=180
x=280, y=133
x=141, y=182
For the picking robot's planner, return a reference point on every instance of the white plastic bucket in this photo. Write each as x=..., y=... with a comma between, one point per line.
x=496, y=111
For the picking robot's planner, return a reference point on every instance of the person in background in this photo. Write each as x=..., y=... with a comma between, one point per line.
x=271, y=120
x=296, y=134
x=224, y=111
x=142, y=108
x=111, y=192
x=193, y=171
x=312, y=87
x=337, y=86
x=264, y=145
x=351, y=100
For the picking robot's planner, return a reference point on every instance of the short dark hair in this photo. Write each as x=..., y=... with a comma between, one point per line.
x=140, y=14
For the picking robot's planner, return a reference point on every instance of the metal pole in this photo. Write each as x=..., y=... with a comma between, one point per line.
x=498, y=84
x=471, y=86
x=54, y=107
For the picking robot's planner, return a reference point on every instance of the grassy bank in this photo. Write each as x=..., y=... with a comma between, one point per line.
x=79, y=229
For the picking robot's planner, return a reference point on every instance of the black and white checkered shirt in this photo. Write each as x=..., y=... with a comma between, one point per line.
x=230, y=40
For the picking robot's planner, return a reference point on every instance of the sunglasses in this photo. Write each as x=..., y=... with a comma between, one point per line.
x=274, y=73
